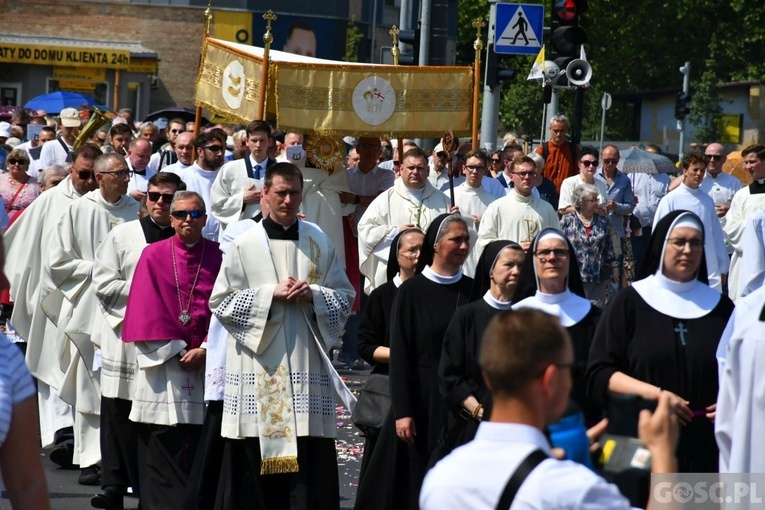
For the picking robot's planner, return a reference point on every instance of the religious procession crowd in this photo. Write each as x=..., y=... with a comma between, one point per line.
x=178, y=300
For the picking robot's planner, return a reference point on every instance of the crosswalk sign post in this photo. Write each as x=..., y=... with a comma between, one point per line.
x=519, y=29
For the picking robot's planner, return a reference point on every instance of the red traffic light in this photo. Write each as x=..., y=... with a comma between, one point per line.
x=567, y=11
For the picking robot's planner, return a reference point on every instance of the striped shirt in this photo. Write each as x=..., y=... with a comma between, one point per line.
x=16, y=384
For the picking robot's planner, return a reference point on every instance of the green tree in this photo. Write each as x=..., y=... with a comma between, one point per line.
x=639, y=46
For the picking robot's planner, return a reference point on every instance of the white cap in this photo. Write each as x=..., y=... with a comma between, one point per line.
x=5, y=130
x=70, y=117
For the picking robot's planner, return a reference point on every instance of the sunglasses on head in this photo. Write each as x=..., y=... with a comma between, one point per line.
x=154, y=196
x=194, y=213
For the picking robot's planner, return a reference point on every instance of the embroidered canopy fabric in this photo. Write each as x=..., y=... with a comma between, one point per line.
x=312, y=95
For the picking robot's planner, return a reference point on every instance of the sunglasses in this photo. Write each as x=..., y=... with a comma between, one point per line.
x=154, y=196
x=610, y=161
x=84, y=175
x=214, y=148
x=194, y=213
x=18, y=162
x=176, y=131
x=588, y=163
x=714, y=157
x=495, y=160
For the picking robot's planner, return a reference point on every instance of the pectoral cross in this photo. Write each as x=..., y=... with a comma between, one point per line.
x=681, y=330
x=188, y=386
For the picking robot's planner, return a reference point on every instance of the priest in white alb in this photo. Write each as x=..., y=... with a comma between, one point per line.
x=113, y=270
x=520, y=215
x=689, y=197
x=27, y=244
x=745, y=203
x=472, y=199
x=200, y=176
x=72, y=304
x=411, y=202
x=284, y=298
x=235, y=194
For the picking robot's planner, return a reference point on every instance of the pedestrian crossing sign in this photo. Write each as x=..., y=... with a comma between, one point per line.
x=519, y=29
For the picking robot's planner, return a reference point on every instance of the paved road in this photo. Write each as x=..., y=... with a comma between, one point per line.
x=67, y=494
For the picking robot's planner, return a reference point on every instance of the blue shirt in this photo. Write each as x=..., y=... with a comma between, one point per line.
x=620, y=191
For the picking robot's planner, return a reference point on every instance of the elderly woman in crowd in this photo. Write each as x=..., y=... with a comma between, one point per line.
x=421, y=313
x=588, y=166
x=590, y=234
x=51, y=177
x=661, y=334
x=459, y=376
x=16, y=187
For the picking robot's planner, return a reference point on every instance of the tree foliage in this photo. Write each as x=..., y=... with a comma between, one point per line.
x=639, y=46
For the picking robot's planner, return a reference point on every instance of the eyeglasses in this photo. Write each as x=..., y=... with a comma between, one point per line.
x=714, y=157
x=120, y=174
x=176, y=130
x=475, y=168
x=18, y=162
x=182, y=215
x=610, y=161
x=495, y=161
x=589, y=162
x=154, y=196
x=84, y=175
x=680, y=243
x=214, y=148
x=524, y=175
x=544, y=255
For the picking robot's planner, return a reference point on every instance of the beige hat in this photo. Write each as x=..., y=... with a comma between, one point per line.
x=70, y=117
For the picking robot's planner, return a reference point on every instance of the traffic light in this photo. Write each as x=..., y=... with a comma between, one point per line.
x=411, y=37
x=566, y=36
x=496, y=69
x=681, y=105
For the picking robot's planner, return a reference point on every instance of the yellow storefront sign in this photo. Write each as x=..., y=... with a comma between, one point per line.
x=86, y=74
x=64, y=56
x=143, y=66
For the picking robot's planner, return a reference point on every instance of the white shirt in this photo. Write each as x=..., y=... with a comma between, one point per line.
x=201, y=181
x=649, y=189
x=570, y=184
x=53, y=153
x=474, y=475
x=721, y=189
x=371, y=183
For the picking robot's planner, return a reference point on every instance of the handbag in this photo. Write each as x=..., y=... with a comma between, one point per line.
x=373, y=403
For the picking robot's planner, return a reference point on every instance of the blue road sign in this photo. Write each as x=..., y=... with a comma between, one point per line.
x=519, y=29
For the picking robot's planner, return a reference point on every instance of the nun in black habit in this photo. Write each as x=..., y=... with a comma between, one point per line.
x=421, y=313
x=374, y=330
x=550, y=281
x=661, y=334
x=459, y=376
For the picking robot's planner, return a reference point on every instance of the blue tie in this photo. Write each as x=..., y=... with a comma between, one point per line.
x=257, y=171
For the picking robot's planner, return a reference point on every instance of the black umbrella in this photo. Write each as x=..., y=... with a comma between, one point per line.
x=175, y=112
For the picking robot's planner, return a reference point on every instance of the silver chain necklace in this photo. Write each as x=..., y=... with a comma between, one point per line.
x=184, y=318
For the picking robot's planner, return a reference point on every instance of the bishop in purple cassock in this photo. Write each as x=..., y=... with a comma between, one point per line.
x=168, y=317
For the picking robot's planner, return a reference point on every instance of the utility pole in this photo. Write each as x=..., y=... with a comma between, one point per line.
x=490, y=109
x=686, y=72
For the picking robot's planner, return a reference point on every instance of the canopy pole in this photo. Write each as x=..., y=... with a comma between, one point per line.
x=198, y=113
x=268, y=38
x=478, y=46
x=116, y=96
x=395, y=52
